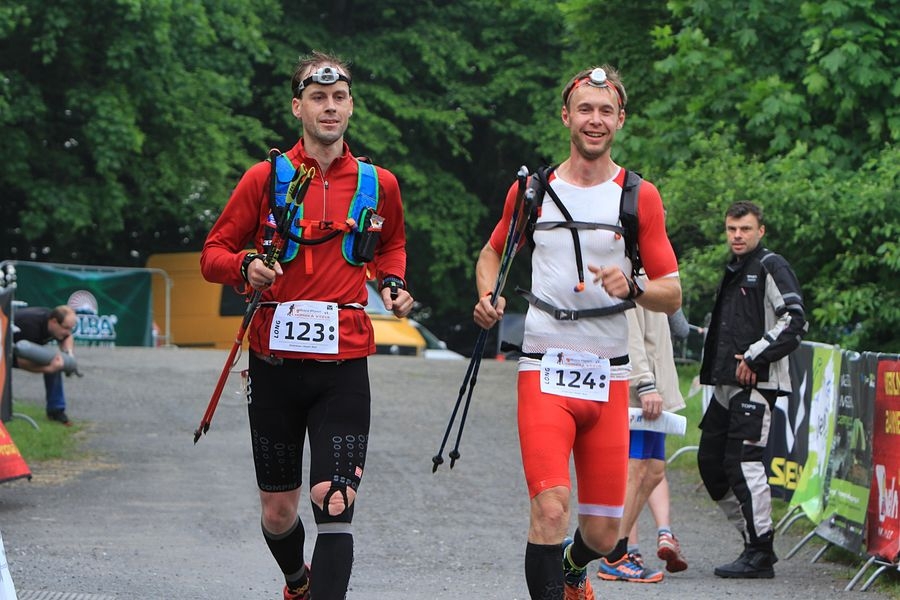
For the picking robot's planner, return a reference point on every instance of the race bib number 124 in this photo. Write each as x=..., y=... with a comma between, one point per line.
x=575, y=375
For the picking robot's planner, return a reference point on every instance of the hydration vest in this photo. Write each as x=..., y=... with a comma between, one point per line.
x=627, y=227
x=355, y=246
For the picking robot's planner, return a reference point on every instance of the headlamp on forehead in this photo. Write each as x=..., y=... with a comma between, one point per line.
x=596, y=78
x=323, y=76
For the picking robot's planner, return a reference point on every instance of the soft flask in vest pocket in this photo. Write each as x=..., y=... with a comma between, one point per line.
x=368, y=234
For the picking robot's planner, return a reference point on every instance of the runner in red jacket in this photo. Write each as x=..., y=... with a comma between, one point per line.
x=310, y=337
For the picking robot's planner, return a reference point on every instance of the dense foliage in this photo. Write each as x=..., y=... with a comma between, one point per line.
x=125, y=123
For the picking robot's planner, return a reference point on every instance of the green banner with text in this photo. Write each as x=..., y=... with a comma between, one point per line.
x=113, y=305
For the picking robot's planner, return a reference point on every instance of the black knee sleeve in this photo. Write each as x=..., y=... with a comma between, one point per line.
x=331, y=565
x=333, y=555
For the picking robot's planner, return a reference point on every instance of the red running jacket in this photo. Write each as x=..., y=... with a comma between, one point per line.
x=319, y=272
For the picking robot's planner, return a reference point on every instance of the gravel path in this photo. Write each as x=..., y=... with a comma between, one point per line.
x=150, y=515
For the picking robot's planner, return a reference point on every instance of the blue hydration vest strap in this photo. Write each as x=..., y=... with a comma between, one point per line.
x=284, y=172
x=363, y=205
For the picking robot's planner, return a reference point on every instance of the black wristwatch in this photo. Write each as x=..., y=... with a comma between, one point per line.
x=249, y=258
x=395, y=283
x=636, y=288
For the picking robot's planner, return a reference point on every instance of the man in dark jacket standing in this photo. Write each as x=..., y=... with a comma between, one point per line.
x=757, y=321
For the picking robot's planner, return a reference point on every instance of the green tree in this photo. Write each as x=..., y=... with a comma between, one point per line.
x=772, y=73
x=125, y=124
x=838, y=229
x=120, y=122
x=447, y=94
x=789, y=103
x=142, y=121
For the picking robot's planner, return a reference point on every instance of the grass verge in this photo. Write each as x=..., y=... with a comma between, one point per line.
x=51, y=441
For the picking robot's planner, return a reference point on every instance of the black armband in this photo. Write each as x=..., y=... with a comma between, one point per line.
x=249, y=258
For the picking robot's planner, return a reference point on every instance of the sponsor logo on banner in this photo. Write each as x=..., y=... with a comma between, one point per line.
x=887, y=496
x=93, y=329
x=884, y=499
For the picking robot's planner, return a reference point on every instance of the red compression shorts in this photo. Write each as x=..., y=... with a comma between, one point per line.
x=551, y=428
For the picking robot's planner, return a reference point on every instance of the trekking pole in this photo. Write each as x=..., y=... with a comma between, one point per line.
x=477, y=352
x=454, y=454
x=518, y=221
x=501, y=281
x=294, y=197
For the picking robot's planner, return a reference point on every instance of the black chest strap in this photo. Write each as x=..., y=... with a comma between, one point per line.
x=566, y=314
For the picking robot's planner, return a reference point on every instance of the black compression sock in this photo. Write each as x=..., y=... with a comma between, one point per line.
x=297, y=585
x=299, y=588
x=287, y=549
x=619, y=551
x=580, y=553
x=543, y=571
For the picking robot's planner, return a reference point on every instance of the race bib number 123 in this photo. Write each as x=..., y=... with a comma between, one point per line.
x=305, y=326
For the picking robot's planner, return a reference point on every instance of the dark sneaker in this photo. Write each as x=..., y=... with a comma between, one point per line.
x=628, y=568
x=669, y=550
x=59, y=416
x=751, y=564
x=577, y=585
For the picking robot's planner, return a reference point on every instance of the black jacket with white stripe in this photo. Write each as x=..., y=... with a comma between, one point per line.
x=758, y=313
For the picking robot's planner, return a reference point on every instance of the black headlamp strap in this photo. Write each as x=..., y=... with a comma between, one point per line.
x=323, y=76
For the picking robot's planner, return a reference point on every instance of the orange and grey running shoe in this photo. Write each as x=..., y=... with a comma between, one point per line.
x=628, y=568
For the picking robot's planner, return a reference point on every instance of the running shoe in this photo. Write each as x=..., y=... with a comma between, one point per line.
x=577, y=585
x=299, y=594
x=669, y=550
x=628, y=568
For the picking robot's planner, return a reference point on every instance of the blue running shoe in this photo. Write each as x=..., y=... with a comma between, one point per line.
x=628, y=568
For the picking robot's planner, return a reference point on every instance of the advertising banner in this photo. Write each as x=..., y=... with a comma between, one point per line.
x=113, y=305
x=788, y=439
x=883, y=522
x=850, y=460
x=811, y=489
